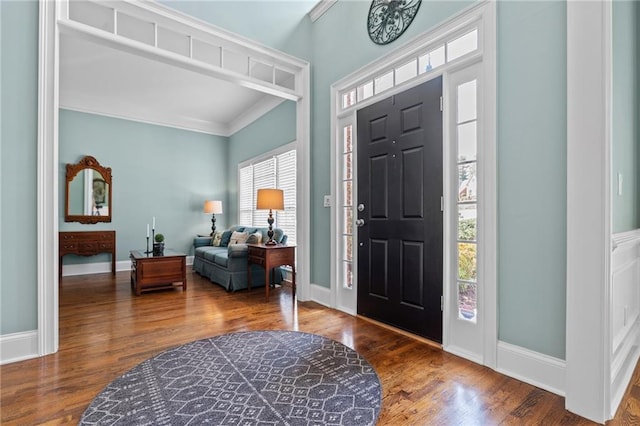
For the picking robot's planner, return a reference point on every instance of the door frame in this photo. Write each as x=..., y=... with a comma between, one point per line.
x=482, y=15
x=50, y=15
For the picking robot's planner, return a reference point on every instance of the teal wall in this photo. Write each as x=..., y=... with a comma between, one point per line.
x=626, y=125
x=531, y=147
x=156, y=171
x=18, y=158
x=532, y=121
x=274, y=129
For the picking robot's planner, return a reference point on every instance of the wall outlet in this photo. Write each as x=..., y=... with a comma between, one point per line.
x=327, y=201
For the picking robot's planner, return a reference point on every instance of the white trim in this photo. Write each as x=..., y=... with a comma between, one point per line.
x=47, y=181
x=16, y=347
x=588, y=323
x=622, y=239
x=256, y=111
x=102, y=267
x=481, y=14
x=320, y=9
x=48, y=167
x=320, y=294
x=543, y=371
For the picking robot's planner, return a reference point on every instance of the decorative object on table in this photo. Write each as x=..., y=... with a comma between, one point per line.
x=256, y=377
x=388, y=19
x=158, y=245
x=213, y=207
x=148, y=251
x=271, y=199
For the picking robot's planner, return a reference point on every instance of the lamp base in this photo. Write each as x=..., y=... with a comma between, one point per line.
x=271, y=243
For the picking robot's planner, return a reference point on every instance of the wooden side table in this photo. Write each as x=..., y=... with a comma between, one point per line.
x=270, y=257
x=87, y=243
x=150, y=272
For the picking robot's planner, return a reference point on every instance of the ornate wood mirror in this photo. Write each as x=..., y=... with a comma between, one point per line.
x=88, y=192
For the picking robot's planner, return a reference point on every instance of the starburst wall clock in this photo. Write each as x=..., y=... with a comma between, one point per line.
x=388, y=19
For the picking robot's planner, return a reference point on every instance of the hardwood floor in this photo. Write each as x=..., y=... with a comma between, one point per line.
x=105, y=330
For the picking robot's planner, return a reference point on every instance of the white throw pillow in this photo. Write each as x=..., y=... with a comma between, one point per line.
x=238, y=237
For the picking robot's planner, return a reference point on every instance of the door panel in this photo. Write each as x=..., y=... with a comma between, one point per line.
x=400, y=185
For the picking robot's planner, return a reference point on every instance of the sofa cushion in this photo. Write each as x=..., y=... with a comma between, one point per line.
x=221, y=258
x=255, y=238
x=226, y=236
x=217, y=239
x=238, y=238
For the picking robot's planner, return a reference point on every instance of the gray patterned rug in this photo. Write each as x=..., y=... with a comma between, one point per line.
x=252, y=378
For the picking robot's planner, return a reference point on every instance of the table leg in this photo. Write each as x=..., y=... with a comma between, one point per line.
x=267, y=284
x=293, y=282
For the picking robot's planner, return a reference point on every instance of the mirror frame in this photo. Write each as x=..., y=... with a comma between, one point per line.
x=88, y=162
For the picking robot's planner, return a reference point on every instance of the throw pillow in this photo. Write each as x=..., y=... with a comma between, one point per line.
x=226, y=236
x=217, y=239
x=238, y=238
x=255, y=238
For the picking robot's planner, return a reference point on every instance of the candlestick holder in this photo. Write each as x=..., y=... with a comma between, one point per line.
x=148, y=251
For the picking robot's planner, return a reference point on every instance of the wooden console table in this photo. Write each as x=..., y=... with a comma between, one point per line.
x=87, y=243
x=270, y=257
x=149, y=272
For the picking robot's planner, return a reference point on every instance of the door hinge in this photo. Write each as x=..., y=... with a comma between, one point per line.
x=442, y=303
x=441, y=204
x=440, y=103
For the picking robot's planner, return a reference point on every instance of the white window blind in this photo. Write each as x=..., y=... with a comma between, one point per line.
x=277, y=171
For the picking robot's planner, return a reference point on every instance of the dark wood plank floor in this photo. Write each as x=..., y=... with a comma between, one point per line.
x=105, y=331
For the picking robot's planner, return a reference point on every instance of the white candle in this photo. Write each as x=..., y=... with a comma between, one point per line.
x=154, y=223
x=147, y=230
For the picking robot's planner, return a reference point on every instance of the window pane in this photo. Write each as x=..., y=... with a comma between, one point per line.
x=462, y=45
x=348, y=99
x=467, y=222
x=365, y=91
x=346, y=169
x=467, y=182
x=467, y=106
x=348, y=221
x=384, y=82
x=347, y=279
x=467, y=260
x=431, y=60
x=347, y=133
x=347, y=247
x=467, y=142
x=467, y=301
x=347, y=194
x=406, y=72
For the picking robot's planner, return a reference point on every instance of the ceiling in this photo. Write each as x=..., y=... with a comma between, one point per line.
x=98, y=79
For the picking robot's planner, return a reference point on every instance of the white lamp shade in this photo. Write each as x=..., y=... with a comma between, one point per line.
x=214, y=207
x=270, y=199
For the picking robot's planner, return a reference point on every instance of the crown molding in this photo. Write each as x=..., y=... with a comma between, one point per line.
x=320, y=8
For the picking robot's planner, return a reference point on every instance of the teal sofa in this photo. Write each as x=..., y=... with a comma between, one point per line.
x=227, y=265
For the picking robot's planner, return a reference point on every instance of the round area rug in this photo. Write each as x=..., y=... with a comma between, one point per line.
x=251, y=378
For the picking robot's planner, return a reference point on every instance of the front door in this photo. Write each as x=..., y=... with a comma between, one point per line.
x=399, y=210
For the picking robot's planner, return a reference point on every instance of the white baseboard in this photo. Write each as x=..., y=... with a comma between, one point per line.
x=101, y=267
x=543, y=371
x=320, y=294
x=16, y=347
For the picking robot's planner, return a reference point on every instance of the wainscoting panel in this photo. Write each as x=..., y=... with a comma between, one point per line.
x=625, y=313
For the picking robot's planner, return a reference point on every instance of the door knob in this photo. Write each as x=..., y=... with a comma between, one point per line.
x=359, y=222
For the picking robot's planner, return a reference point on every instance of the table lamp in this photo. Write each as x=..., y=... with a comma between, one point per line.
x=272, y=199
x=213, y=207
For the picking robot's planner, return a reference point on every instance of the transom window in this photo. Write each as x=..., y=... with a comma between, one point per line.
x=425, y=61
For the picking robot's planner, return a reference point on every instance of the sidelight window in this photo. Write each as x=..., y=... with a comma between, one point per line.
x=346, y=204
x=467, y=199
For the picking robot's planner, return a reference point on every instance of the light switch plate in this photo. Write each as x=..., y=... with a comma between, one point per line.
x=327, y=200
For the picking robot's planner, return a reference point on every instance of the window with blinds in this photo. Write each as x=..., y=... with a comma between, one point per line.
x=276, y=171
